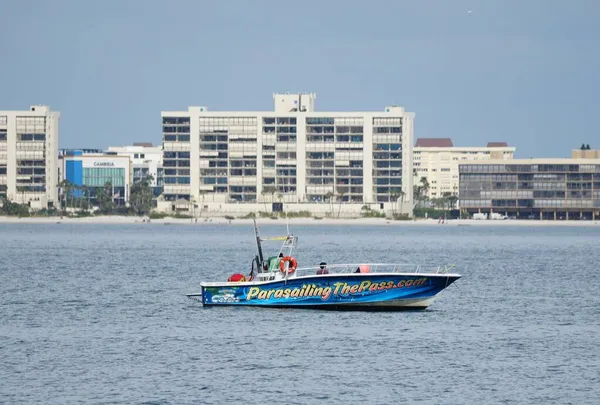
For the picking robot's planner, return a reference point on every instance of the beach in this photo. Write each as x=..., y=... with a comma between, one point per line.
x=116, y=219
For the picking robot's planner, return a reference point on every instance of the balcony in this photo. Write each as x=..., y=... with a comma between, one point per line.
x=242, y=180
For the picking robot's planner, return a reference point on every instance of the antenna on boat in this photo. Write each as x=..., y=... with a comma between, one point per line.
x=258, y=244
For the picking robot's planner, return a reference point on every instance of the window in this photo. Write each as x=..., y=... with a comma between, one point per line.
x=319, y=121
x=176, y=120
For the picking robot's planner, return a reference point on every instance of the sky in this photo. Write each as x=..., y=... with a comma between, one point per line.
x=522, y=71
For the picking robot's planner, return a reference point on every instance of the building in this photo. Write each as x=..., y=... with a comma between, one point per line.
x=585, y=153
x=532, y=188
x=437, y=159
x=146, y=160
x=28, y=156
x=88, y=173
x=293, y=154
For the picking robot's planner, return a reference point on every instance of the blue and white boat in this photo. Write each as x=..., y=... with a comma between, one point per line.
x=363, y=286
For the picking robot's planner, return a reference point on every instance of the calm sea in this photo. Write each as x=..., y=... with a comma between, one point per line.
x=97, y=314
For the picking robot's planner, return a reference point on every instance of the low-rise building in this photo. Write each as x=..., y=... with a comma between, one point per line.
x=532, y=188
x=89, y=174
x=146, y=160
x=437, y=160
x=585, y=153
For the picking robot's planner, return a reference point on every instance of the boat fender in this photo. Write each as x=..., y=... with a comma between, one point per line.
x=291, y=268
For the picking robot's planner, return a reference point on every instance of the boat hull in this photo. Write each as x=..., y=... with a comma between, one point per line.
x=337, y=292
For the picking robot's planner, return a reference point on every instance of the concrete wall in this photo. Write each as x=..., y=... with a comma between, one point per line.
x=335, y=210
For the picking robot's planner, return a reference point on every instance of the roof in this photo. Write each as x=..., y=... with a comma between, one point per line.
x=533, y=161
x=144, y=144
x=497, y=144
x=434, y=142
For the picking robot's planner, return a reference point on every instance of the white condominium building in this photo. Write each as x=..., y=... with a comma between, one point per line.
x=145, y=160
x=28, y=156
x=437, y=159
x=293, y=152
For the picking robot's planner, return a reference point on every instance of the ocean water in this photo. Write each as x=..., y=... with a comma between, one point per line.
x=97, y=314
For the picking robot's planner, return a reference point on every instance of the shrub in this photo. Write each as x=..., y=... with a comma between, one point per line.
x=180, y=215
x=249, y=215
x=14, y=210
x=401, y=217
x=157, y=215
x=368, y=213
x=294, y=214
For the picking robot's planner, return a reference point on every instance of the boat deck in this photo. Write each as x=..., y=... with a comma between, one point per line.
x=360, y=270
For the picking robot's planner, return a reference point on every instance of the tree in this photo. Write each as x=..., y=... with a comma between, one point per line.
x=452, y=201
x=582, y=146
x=203, y=195
x=66, y=190
x=140, y=198
x=420, y=191
x=13, y=209
x=395, y=194
x=104, y=198
x=587, y=146
x=86, y=196
x=341, y=196
x=329, y=197
x=266, y=191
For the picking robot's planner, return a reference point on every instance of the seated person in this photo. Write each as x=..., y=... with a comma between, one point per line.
x=363, y=268
x=274, y=262
x=323, y=269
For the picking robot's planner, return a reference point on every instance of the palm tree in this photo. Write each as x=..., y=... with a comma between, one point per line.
x=328, y=196
x=395, y=194
x=268, y=190
x=192, y=203
x=202, y=196
x=420, y=191
x=63, y=192
x=341, y=196
x=452, y=200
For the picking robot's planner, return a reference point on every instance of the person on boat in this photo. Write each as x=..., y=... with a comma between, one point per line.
x=363, y=268
x=323, y=268
x=274, y=262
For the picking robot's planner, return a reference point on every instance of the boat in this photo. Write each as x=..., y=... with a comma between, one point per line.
x=361, y=286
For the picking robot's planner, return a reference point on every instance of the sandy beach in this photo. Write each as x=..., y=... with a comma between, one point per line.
x=114, y=219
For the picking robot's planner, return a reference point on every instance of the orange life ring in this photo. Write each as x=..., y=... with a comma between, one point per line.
x=291, y=268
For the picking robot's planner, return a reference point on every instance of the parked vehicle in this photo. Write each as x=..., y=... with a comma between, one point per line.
x=480, y=216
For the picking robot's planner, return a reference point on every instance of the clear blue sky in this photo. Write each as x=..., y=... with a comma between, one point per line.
x=522, y=71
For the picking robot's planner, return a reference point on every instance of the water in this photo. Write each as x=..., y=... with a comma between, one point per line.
x=96, y=314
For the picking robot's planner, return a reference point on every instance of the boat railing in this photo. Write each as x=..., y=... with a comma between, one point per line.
x=372, y=268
